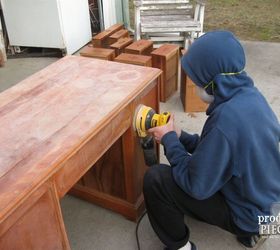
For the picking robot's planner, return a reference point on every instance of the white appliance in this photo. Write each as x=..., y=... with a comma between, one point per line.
x=114, y=11
x=63, y=24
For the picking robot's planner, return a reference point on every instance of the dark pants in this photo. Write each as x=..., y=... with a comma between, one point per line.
x=167, y=203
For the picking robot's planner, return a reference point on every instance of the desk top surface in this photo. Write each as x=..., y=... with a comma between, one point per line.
x=46, y=116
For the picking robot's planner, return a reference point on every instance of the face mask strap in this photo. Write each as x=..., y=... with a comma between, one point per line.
x=223, y=74
x=232, y=73
x=212, y=86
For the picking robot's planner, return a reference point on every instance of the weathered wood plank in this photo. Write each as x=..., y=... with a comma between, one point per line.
x=164, y=17
x=166, y=12
x=170, y=29
x=167, y=38
x=166, y=7
x=171, y=24
x=144, y=2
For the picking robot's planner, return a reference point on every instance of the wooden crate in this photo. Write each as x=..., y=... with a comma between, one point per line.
x=120, y=45
x=140, y=47
x=166, y=58
x=118, y=35
x=101, y=40
x=100, y=53
x=190, y=100
x=134, y=59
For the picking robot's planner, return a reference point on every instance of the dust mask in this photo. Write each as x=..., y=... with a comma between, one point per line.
x=203, y=95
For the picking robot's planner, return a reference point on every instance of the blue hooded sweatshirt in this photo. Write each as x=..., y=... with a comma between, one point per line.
x=238, y=150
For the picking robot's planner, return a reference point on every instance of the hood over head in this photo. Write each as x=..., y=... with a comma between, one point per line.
x=216, y=62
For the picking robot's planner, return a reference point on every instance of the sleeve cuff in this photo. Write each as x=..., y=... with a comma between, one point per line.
x=185, y=137
x=169, y=138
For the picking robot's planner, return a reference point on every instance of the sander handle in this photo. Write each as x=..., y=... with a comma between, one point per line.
x=148, y=146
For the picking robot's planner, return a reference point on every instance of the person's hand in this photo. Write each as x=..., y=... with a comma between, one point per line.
x=178, y=131
x=160, y=131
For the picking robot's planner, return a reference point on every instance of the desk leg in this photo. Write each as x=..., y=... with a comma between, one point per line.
x=115, y=180
x=36, y=224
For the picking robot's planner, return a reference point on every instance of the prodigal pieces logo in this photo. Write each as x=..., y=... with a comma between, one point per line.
x=269, y=226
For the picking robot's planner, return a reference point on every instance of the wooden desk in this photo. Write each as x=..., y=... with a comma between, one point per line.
x=54, y=126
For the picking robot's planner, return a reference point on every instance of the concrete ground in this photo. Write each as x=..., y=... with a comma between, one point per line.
x=90, y=227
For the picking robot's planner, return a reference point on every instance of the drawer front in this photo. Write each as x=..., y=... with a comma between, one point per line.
x=170, y=86
x=81, y=161
x=171, y=66
x=36, y=224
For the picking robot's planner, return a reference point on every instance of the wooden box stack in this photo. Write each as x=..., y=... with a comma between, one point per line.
x=166, y=58
x=120, y=45
x=101, y=40
x=140, y=47
x=191, y=102
x=134, y=59
x=100, y=53
x=118, y=35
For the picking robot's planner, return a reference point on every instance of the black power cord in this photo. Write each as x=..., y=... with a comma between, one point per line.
x=136, y=230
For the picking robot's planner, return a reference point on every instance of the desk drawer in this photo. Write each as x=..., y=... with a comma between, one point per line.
x=81, y=161
x=171, y=66
x=36, y=223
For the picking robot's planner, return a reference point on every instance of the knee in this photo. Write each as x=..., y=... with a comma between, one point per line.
x=155, y=176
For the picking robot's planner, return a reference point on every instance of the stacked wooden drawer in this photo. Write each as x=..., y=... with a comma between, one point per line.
x=100, y=53
x=135, y=59
x=191, y=102
x=140, y=47
x=102, y=39
x=123, y=33
x=108, y=43
x=120, y=45
x=166, y=58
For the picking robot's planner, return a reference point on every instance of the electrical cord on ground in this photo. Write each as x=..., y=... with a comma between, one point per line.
x=136, y=230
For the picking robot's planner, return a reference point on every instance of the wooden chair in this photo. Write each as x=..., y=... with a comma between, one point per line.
x=169, y=20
